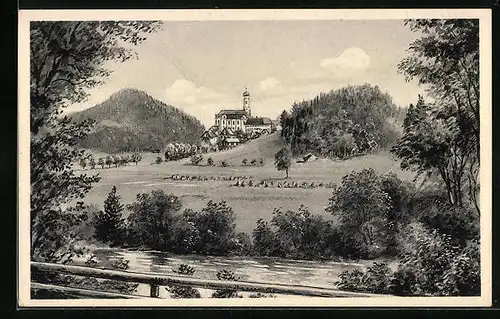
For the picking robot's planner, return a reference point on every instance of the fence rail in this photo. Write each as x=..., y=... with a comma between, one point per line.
x=157, y=280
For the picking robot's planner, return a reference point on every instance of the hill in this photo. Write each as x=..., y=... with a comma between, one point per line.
x=263, y=147
x=132, y=120
x=354, y=119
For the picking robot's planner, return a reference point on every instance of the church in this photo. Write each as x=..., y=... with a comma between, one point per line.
x=242, y=120
x=229, y=124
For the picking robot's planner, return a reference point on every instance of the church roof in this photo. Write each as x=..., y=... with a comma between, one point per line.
x=259, y=121
x=233, y=114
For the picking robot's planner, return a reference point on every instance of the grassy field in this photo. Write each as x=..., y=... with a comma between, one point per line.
x=249, y=204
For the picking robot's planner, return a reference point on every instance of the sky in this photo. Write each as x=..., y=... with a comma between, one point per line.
x=204, y=66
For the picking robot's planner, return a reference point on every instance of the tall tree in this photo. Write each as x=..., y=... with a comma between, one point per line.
x=110, y=224
x=446, y=60
x=67, y=59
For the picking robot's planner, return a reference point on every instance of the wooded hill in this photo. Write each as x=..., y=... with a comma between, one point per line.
x=131, y=120
x=344, y=122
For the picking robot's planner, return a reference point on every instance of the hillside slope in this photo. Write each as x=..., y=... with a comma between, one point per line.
x=131, y=120
x=263, y=147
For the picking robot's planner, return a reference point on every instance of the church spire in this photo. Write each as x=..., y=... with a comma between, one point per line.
x=246, y=102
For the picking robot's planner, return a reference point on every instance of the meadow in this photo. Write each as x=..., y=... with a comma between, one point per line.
x=249, y=203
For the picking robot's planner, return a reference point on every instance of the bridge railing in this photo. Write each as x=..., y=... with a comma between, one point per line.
x=155, y=281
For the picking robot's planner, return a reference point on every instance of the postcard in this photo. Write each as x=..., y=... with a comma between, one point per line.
x=299, y=158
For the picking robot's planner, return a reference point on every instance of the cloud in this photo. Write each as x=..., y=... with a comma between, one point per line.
x=269, y=83
x=350, y=59
x=185, y=92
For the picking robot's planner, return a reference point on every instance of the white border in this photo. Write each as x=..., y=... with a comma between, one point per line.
x=484, y=15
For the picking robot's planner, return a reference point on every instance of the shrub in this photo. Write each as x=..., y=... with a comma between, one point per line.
x=377, y=279
x=177, y=292
x=244, y=161
x=432, y=265
x=210, y=161
x=158, y=160
x=224, y=164
x=224, y=274
x=196, y=159
x=261, y=162
x=253, y=162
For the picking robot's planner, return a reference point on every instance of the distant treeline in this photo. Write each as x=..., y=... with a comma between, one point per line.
x=349, y=121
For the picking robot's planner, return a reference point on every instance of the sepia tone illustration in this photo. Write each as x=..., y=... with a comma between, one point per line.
x=254, y=159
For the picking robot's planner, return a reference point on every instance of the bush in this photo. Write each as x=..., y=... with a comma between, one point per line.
x=377, y=279
x=244, y=161
x=224, y=164
x=177, y=292
x=224, y=274
x=159, y=160
x=210, y=161
x=196, y=159
x=253, y=162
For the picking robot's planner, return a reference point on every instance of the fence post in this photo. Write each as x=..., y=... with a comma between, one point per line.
x=154, y=291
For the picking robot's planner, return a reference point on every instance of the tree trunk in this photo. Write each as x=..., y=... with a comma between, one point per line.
x=286, y=174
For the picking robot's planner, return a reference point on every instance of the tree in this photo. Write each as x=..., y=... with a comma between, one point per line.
x=101, y=162
x=362, y=207
x=283, y=160
x=66, y=60
x=261, y=162
x=136, y=158
x=159, y=160
x=83, y=163
x=446, y=60
x=92, y=162
x=110, y=224
x=109, y=161
x=253, y=162
x=210, y=161
x=151, y=221
x=244, y=161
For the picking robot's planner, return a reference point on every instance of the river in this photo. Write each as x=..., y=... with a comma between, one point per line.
x=272, y=270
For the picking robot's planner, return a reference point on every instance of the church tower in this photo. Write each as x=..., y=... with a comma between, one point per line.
x=246, y=102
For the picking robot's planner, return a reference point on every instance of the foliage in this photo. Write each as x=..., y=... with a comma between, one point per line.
x=215, y=225
x=57, y=233
x=224, y=164
x=176, y=151
x=362, y=208
x=210, y=161
x=196, y=159
x=253, y=162
x=225, y=274
x=348, y=121
x=283, y=160
x=158, y=160
x=152, y=219
x=297, y=235
x=109, y=223
x=184, y=292
x=443, y=138
x=377, y=279
x=264, y=240
x=244, y=161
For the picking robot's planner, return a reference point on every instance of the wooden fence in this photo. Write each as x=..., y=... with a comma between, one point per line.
x=157, y=280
